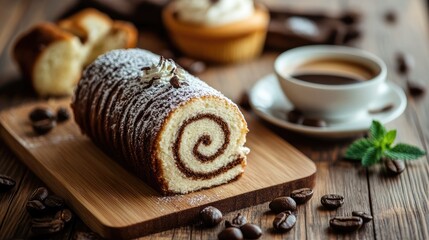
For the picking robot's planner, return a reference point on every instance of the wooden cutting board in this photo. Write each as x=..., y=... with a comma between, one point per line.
x=116, y=204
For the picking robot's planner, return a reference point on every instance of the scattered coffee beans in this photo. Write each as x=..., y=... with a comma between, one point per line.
x=390, y=17
x=350, y=17
x=365, y=216
x=86, y=236
x=251, y=231
x=46, y=226
x=63, y=114
x=211, y=216
x=332, y=201
x=36, y=208
x=294, y=116
x=43, y=126
x=239, y=220
x=6, y=183
x=42, y=206
x=302, y=195
x=39, y=114
x=244, y=101
x=415, y=89
x=282, y=204
x=54, y=202
x=40, y=194
x=65, y=215
x=284, y=221
x=231, y=233
x=404, y=63
x=394, y=167
x=314, y=122
x=345, y=224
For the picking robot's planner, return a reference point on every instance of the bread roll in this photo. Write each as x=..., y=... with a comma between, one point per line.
x=121, y=35
x=90, y=26
x=168, y=127
x=50, y=58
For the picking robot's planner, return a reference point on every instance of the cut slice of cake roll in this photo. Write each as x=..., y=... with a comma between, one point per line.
x=168, y=127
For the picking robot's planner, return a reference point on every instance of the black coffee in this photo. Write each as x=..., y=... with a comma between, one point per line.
x=327, y=79
x=332, y=71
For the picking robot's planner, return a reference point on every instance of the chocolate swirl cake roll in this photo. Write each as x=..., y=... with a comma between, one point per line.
x=168, y=127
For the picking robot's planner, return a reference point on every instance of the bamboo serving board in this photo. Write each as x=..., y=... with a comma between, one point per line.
x=116, y=204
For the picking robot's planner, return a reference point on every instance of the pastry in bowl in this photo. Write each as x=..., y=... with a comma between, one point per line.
x=223, y=31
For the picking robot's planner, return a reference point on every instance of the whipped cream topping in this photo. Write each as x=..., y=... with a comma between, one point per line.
x=166, y=71
x=212, y=13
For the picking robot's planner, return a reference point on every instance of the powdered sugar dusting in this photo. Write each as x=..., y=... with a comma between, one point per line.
x=124, y=98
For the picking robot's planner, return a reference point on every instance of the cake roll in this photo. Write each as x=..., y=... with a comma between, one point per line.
x=170, y=128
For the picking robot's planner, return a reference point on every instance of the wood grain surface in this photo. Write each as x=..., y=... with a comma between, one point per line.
x=116, y=204
x=399, y=205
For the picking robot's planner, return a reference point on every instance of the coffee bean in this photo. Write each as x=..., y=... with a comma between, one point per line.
x=294, y=116
x=43, y=126
x=237, y=222
x=191, y=65
x=40, y=193
x=352, y=33
x=231, y=233
x=36, y=208
x=345, y=224
x=86, y=236
x=39, y=114
x=6, y=183
x=244, y=101
x=65, y=215
x=332, y=201
x=314, y=122
x=390, y=17
x=54, y=202
x=366, y=217
x=415, y=89
x=251, y=231
x=302, y=195
x=46, y=226
x=394, y=167
x=63, y=114
x=282, y=204
x=350, y=17
x=211, y=216
x=284, y=221
x=404, y=63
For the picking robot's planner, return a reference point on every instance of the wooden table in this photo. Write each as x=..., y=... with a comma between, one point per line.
x=400, y=205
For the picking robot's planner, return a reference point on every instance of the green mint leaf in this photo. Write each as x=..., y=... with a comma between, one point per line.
x=389, y=138
x=371, y=157
x=358, y=149
x=404, y=152
x=376, y=131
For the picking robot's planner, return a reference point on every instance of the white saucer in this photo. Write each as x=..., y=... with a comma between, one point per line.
x=269, y=102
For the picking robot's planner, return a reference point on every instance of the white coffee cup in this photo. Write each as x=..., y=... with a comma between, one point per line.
x=330, y=102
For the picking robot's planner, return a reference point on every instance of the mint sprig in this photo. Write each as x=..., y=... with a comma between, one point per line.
x=379, y=145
